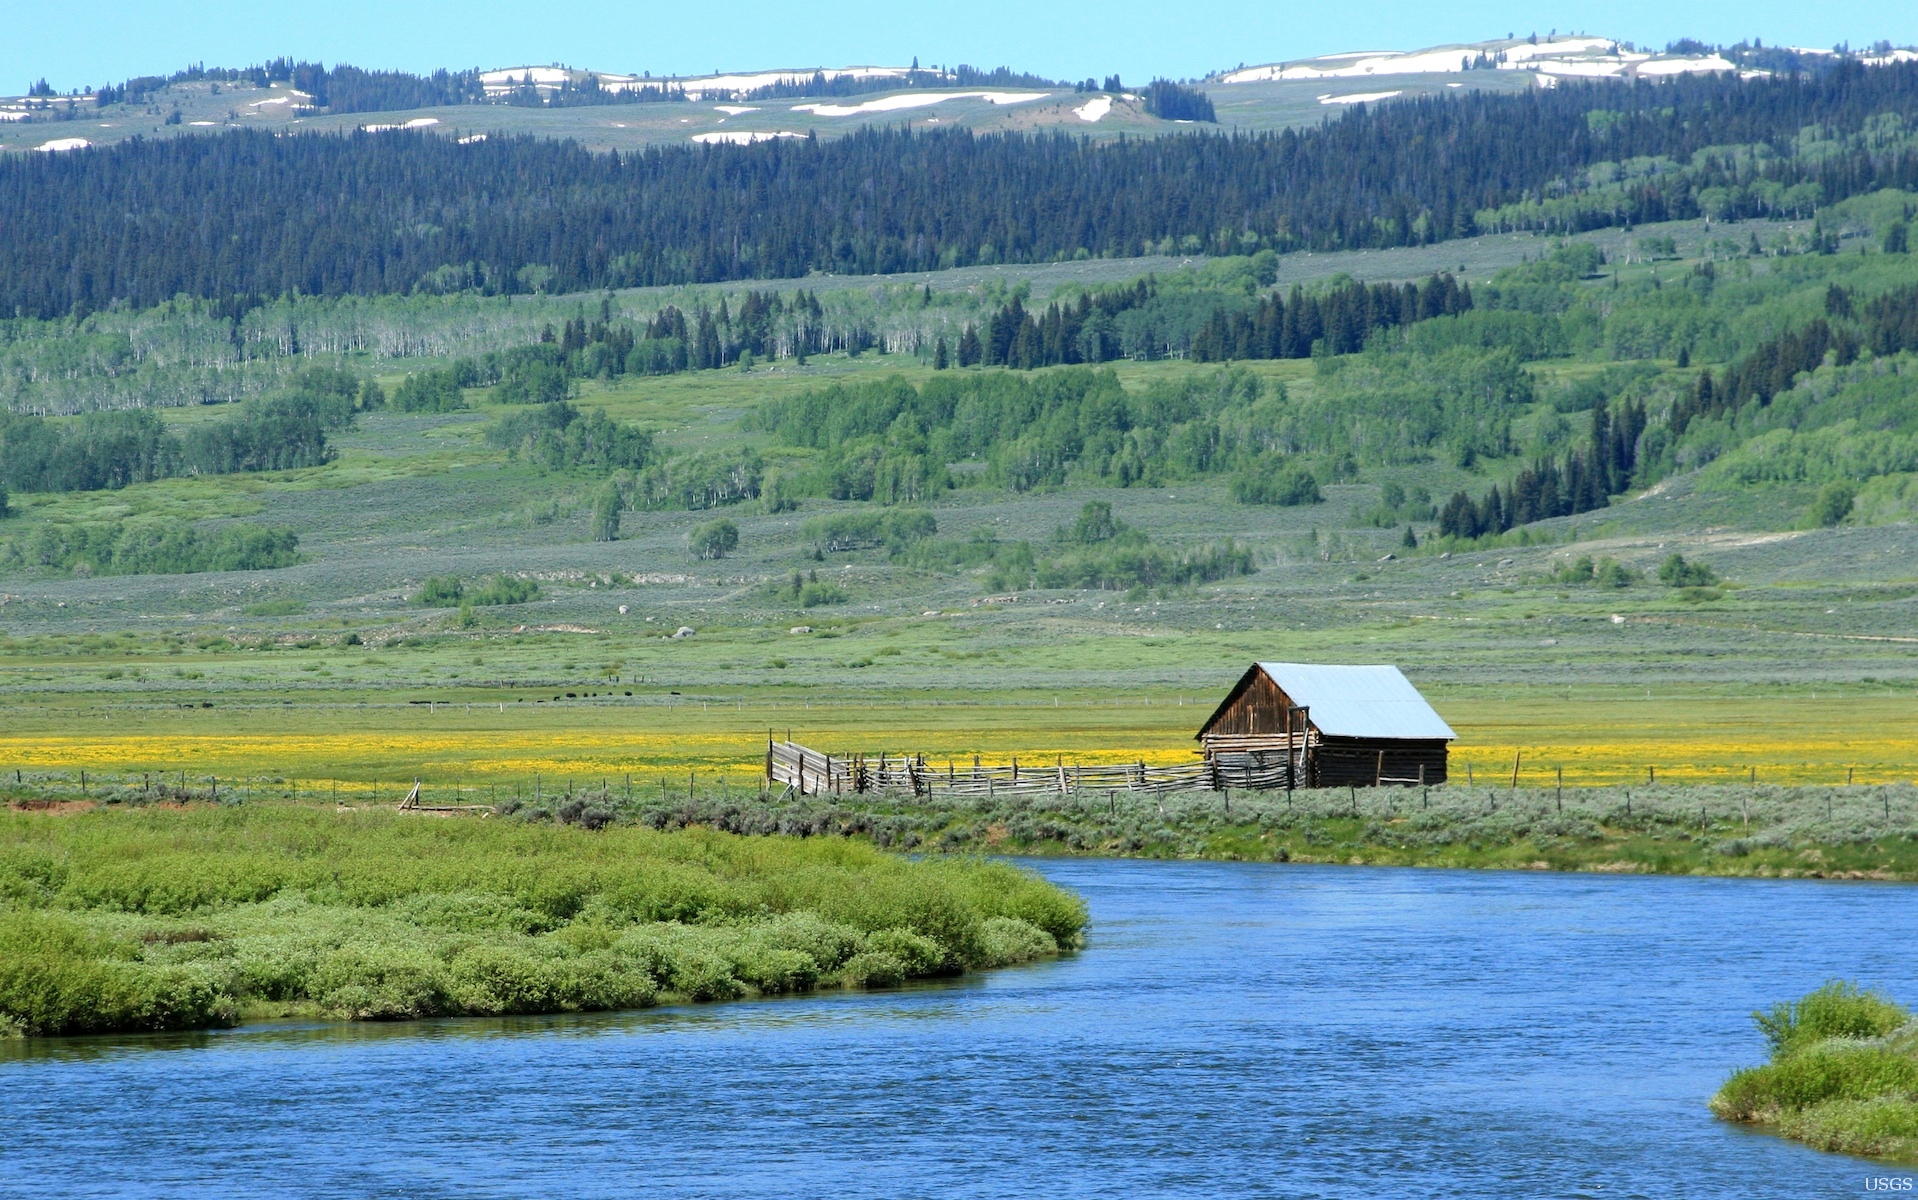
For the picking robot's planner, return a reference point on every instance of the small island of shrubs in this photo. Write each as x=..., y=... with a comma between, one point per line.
x=1843, y=1075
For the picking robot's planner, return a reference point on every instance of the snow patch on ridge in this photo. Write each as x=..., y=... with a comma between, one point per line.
x=742, y=137
x=1359, y=97
x=912, y=100
x=1094, y=109
x=1570, y=57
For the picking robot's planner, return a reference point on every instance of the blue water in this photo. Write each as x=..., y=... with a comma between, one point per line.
x=1232, y=1029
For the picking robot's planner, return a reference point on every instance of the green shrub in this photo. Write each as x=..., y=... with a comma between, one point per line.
x=375, y=915
x=532, y=382
x=1288, y=486
x=606, y=505
x=1831, y=1071
x=814, y=594
x=57, y=978
x=895, y=529
x=275, y=608
x=1614, y=574
x=1676, y=572
x=558, y=436
x=1836, y=1010
x=873, y=969
x=429, y=392
x=919, y=954
x=380, y=983
x=715, y=539
x=1833, y=504
x=441, y=591
x=154, y=549
x=1843, y=1074
x=1881, y=1127
x=1010, y=940
x=446, y=591
x=504, y=589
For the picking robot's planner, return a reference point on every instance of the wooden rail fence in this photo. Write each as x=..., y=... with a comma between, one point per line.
x=812, y=772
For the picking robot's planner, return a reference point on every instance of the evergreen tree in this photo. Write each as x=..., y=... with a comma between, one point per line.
x=146, y=220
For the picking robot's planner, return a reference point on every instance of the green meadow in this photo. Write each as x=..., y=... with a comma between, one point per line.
x=460, y=612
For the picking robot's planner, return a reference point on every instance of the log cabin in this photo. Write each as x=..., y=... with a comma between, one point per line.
x=1311, y=725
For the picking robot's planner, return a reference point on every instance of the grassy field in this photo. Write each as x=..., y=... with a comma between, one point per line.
x=1797, y=672
x=166, y=917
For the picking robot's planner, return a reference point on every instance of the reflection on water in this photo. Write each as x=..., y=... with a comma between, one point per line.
x=1232, y=1029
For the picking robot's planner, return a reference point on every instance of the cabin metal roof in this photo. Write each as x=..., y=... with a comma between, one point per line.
x=1353, y=701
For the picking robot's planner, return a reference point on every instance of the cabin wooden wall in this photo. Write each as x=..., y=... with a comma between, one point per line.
x=1259, y=709
x=1343, y=762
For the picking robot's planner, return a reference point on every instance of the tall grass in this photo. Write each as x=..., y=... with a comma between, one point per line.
x=176, y=918
x=1843, y=1075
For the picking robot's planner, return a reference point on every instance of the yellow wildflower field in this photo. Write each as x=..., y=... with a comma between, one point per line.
x=1704, y=738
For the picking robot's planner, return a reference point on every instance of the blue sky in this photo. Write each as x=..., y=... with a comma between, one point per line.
x=109, y=40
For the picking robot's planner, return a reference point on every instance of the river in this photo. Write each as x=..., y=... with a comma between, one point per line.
x=1230, y=1030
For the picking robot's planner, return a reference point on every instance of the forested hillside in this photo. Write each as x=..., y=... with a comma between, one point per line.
x=258, y=215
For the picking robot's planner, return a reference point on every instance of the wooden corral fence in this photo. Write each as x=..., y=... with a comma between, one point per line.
x=413, y=802
x=812, y=772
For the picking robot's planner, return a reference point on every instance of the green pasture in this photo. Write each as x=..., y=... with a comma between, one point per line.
x=1795, y=669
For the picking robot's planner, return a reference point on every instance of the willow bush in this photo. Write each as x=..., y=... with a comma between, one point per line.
x=180, y=918
x=1843, y=1075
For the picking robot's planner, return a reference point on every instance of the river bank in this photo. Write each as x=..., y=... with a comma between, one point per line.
x=1865, y=832
x=1781, y=832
